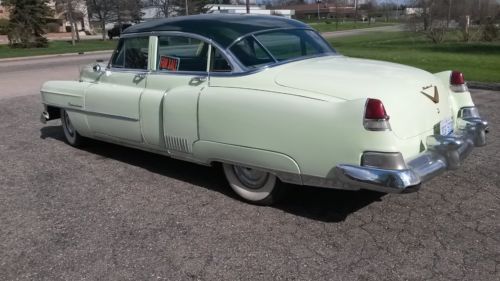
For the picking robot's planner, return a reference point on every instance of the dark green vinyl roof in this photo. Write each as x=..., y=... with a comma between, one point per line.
x=222, y=28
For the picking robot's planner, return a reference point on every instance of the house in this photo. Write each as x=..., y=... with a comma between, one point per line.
x=60, y=18
x=4, y=12
x=80, y=15
x=253, y=9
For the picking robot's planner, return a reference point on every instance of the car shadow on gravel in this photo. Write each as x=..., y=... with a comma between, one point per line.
x=327, y=205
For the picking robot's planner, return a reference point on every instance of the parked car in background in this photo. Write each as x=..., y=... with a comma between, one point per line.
x=271, y=101
x=117, y=30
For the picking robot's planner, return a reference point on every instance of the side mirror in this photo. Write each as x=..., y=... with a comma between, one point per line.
x=97, y=68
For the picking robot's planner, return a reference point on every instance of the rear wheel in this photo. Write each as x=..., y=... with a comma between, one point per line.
x=71, y=135
x=253, y=185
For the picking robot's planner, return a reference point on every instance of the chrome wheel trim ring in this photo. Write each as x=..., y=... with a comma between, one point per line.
x=251, y=178
x=247, y=193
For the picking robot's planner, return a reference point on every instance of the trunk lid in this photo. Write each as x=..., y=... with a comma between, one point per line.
x=415, y=100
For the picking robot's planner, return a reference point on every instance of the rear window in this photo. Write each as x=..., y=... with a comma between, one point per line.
x=280, y=45
x=250, y=52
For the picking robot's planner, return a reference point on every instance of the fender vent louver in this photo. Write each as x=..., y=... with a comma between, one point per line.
x=178, y=144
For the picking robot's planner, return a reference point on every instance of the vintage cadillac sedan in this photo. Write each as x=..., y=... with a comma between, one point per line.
x=271, y=101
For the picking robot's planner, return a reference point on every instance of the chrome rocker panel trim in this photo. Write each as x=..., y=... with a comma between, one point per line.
x=443, y=153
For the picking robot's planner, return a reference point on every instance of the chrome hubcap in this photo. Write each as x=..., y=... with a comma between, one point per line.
x=67, y=124
x=251, y=178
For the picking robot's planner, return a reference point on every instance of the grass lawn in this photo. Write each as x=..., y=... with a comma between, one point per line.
x=327, y=27
x=59, y=47
x=477, y=60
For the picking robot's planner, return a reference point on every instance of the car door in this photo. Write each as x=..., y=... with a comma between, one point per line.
x=169, y=106
x=112, y=103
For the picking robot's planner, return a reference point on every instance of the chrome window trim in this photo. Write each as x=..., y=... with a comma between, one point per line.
x=238, y=69
x=267, y=30
x=264, y=48
x=233, y=62
x=129, y=70
x=110, y=66
x=181, y=73
x=276, y=63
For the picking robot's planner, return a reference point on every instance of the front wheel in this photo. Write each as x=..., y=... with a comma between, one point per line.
x=73, y=138
x=255, y=186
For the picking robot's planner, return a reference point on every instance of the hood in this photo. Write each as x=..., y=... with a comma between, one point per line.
x=399, y=87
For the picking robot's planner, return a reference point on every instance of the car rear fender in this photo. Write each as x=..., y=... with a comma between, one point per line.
x=283, y=166
x=457, y=99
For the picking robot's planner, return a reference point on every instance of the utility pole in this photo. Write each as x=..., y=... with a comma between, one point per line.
x=355, y=12
x=317, y=2
x=187, y=8
x=247, y=4
x=449, y=15
x=69, y=8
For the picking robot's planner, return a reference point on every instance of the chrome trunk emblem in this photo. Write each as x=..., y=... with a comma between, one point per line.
x=434, y=98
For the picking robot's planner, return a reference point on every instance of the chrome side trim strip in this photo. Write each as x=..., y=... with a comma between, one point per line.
x=124, y=118
x=72, y=109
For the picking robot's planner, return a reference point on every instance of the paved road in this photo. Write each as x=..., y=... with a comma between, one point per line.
x=25, y=76
x=111, y=213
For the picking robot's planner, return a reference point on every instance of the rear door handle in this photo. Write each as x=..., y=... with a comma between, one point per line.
x=199, y=79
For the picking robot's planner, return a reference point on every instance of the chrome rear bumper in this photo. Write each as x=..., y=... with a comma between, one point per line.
x=443, y=153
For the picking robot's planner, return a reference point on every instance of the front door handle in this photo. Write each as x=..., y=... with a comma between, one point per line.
x=140, y=75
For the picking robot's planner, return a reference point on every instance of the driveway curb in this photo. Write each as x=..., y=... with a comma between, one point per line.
x=55, y=56
x=484, y=85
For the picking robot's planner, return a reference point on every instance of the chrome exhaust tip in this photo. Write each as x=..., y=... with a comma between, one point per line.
x=44, y=117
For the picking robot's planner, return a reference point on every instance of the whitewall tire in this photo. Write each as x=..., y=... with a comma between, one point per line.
x=255, y=186
x=71, y=135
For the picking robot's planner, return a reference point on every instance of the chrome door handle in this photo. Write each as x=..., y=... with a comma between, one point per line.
x=199, y=79
x=141, y=75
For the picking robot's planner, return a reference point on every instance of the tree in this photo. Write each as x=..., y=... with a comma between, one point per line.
x=68, y=8
x=108, y=11
x=103, y=10
x=193, y=7
x=439, y=16
x=27, y=20
x=165, y=7
x=128, y=11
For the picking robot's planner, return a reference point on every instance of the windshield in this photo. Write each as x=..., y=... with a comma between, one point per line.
x=279, y=45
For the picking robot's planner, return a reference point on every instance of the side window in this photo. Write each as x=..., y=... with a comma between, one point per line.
x=131, y=53
x=178, y=53
x=218, y=62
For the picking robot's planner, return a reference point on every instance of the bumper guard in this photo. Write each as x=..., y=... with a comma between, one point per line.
x=443, y=153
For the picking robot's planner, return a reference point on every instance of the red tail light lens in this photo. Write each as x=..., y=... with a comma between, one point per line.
x=375, y=110
x=457, y=78
x=376, y=118
x=457, y=82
